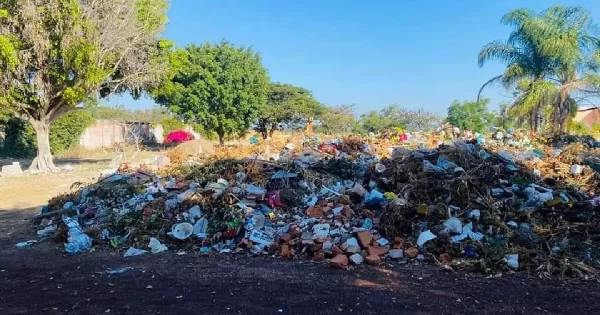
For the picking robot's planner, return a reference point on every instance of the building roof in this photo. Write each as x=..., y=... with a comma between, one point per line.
x=588, y=116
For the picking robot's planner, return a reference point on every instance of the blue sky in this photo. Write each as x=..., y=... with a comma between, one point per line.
x=420, y=54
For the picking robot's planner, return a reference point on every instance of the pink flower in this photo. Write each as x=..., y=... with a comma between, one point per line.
x=178, y=136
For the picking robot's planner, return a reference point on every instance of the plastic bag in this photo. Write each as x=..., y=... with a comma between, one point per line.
x=512, y=261
x=506, y=156
x=446, y=164
x=467, y=232
x=453, y=225
x=156, y=246
x=431, y=168
x=425, y=237
x=77, y=240
x=132, y=251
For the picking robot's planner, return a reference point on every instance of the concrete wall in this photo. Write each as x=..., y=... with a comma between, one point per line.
x=105, y=133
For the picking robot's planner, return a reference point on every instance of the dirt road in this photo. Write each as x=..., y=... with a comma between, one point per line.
x=42, y=279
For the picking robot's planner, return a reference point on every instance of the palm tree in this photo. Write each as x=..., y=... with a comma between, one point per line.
x=523, y=54
x=571, y=41
x=549, y=61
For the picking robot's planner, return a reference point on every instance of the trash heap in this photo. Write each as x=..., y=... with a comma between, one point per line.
x=459, y=206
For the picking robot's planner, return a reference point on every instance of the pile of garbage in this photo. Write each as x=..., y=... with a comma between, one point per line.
x=562, y=140
x=460, y=205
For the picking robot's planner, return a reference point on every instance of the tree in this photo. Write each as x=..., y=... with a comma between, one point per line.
x=469, y=115
x=338, y=119
x=572, y=41
x=56, y=53
x=20, y=139
x=552, y=59
x=503, y=119
x=288, y=104
x=409, y=119
x=373, y=121
x=524, y=58
x=219, y=86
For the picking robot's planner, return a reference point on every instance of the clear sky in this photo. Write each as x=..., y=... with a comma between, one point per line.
x=420, y=54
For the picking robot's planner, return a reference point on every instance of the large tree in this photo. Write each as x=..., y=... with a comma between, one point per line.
x=218, y=86
x=410, y=119
x=338, y=119
x=56, y=53
x=524, y=58
x=469, y=115
x=551, y=62
x=288, y=104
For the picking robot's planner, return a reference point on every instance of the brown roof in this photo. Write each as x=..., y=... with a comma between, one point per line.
x=588, y=116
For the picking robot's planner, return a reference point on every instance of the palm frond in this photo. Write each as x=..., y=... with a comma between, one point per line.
x=513, y=74
x=493, y=80
x=498, y=50
x=517, y=17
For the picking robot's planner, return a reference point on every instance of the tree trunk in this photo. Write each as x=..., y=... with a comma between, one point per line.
x=272, y=129
x=43, y=161
x=221, y=135
x=531, y=121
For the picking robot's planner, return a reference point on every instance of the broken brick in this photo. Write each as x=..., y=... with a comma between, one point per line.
x=273, y=248
x=373, y=260
x=445, y=258
x=364, y=238
x=398, y=243
x=316, y=247
x=285, y=238
x=336, y=250
x=315, y=212
x=339, y=261
x=319, y=256
x=379, y=251
x=285, y=252
x=411, y=252
x=347, y=211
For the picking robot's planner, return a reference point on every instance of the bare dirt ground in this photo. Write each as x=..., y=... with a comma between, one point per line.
x=42, y=279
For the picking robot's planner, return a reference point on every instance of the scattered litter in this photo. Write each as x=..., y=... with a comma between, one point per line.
x=114, y=272
x=182, y=231
x=132, y=251
x=425, y=237
x=25, y=243
x=512, y=260
x=156, y=246
x=77, y=240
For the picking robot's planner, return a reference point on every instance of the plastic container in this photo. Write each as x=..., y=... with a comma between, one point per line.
x=182, y=231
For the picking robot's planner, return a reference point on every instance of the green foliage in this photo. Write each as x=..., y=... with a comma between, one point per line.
x=218, y=86
x=470, y=115
x=578, y=128
x=20, y=140
x=74, y=49
x=290, y=104
x=549, y=56
x=171, y=124
x=503, y=119
x=338, y=120
x=409, y=119
x=398, y=118
x=375, y=122
x=65, y=131
x=120, y=113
